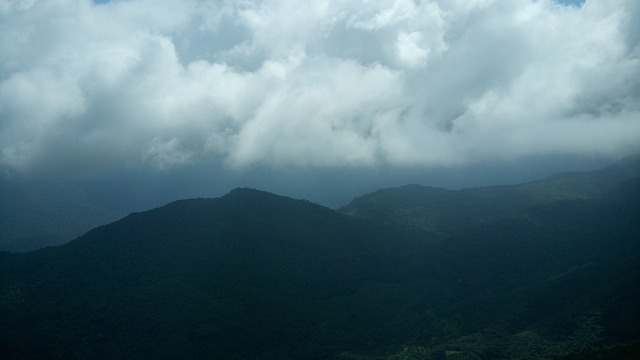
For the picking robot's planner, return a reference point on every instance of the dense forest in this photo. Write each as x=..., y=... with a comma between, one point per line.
x=543, y=270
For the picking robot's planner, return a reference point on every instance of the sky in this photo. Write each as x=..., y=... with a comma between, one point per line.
x=324, y=100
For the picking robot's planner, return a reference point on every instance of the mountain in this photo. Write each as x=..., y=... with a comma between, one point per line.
x=447, y=211
x=234, y=276
x=253, y=275
x=43, y=213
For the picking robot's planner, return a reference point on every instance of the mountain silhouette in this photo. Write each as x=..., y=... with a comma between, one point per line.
x=448, y=211
x=254, y=275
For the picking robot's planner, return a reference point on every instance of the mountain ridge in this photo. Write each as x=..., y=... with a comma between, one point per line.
x=257, y=275
x=432, y=208
x=51, y=213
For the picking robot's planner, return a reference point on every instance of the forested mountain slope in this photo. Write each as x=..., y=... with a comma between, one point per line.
x=253, y=275
x=448, y=211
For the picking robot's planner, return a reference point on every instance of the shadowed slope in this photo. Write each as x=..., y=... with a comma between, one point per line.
x=448, y=211
x=239, y=276
x=253, y=275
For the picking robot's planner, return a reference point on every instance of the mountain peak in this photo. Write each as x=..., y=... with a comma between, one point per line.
x=254, y=275
x=248, y=192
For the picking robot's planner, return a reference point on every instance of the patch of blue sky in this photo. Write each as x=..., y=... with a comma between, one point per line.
x=571, y=2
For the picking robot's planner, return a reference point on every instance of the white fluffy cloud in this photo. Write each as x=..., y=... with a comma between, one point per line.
x=329, y=83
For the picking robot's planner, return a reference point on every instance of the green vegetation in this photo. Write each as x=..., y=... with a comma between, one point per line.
x=446, y=211
x=254, y=275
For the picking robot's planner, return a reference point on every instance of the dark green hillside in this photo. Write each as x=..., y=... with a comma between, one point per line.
x=448, y=211
x=249, y=275
x=38, y=214
x=253, y=275
x=430, y=208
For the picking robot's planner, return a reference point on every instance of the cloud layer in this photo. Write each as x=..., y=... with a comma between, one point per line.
x=163, y=83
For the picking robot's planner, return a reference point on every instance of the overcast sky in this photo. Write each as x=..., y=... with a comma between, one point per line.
x=310, y=95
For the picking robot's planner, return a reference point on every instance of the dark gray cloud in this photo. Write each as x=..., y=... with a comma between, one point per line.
x=296, y=87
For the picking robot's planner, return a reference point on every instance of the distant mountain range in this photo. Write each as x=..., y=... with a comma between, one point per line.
x=444, y=210
x=43, y=213
x=548, y=269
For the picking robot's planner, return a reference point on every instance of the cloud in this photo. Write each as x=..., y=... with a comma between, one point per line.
x=90, y=86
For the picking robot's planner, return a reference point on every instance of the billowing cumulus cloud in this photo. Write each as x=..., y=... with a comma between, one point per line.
x=89, y=86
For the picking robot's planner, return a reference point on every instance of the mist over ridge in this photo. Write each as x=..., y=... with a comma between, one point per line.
x=326, y=180
x=546, y=267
